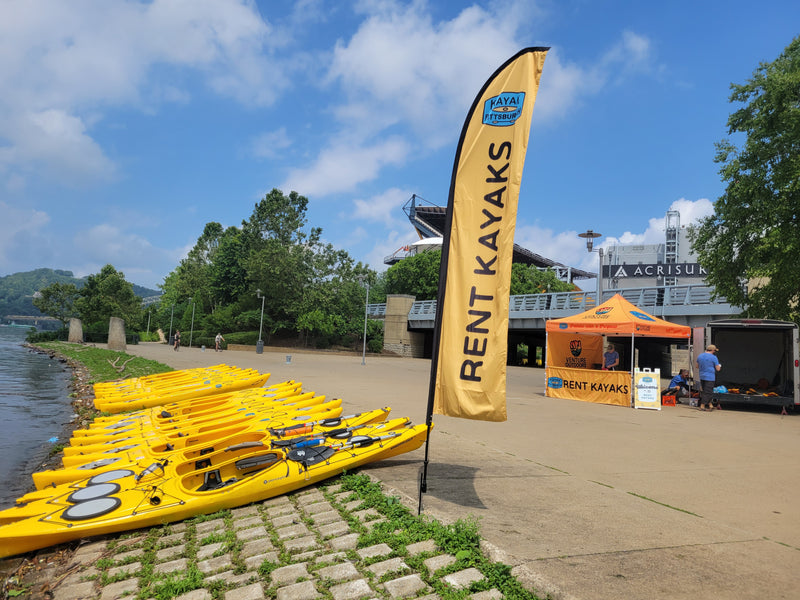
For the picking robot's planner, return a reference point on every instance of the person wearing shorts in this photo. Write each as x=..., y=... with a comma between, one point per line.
x=707, y=367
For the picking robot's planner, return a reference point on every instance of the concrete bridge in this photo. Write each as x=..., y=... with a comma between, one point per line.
x=409, y=323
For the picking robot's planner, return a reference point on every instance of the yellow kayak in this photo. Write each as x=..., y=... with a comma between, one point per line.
x=236, y=409
x=157, y=395
x=161, y=379
x=122, y=499
x=166, y=381
x=193, y=448
x=321, y=408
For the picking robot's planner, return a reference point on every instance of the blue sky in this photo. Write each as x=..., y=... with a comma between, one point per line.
x=126, y=126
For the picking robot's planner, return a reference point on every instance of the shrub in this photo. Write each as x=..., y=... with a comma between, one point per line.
x=35, y=337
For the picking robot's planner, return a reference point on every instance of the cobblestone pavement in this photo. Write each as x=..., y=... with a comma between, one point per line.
x=300, y=546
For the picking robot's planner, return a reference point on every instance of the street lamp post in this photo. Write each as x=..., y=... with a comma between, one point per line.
x=590, y=236
x=260, y=344
x=363, y=279
x=191, y=329
x=148, y=323
x=171, y=314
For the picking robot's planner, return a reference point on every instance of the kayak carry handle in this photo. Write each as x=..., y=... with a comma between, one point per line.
x=149, y=470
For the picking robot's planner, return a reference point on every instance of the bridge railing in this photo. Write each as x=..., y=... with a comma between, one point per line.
x=681, y=298
x=376, y=311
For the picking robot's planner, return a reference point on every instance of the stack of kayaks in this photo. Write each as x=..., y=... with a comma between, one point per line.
x=195, y=455
x=155, y=390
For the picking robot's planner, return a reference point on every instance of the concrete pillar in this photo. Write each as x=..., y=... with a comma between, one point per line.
x=116, y=334
x=75, y=331
x=396, y=336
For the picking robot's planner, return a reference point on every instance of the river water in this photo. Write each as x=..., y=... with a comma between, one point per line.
x=34, y=407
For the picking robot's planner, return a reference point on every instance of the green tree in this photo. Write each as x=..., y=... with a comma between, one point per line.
x=527, y=279
x=281, y=259
x=105, y=295
x=754, y=236
x=58, y=301
x=417, y=275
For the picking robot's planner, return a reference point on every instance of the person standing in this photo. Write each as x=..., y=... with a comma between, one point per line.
x=610, y=359
x=177, y=340
x=707, y=366
x=217, y=342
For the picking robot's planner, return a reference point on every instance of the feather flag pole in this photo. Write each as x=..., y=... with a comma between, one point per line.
x=468, y=368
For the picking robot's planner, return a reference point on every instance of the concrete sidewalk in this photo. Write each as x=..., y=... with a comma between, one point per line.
x=585, y=501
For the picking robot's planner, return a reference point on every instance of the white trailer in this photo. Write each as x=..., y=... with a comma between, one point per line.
x=759, y=358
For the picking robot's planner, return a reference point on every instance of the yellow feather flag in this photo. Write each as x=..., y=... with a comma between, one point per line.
x=468, y=376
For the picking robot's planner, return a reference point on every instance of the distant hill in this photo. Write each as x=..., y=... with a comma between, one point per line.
x=16, y=291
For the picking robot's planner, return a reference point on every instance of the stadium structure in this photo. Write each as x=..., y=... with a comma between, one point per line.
x=428, y=221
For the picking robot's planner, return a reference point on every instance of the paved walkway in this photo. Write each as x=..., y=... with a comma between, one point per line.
x=289, y=548
x=586, y=501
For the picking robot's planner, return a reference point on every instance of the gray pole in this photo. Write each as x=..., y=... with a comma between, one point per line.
x=261, y=323
x=171, y=314
x=600, y=277
x=366, y=314
x=191, y=329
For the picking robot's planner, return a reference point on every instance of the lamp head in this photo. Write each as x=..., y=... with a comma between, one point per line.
x=589, y=236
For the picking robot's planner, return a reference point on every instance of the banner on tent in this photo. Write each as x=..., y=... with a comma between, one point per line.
x=600, y=387
x=575, y=351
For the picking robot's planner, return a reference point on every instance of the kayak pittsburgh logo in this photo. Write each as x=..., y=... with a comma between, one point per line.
x=504, y=109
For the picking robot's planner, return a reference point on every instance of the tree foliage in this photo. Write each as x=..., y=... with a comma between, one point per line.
x=417, y=275
x=57, y=300
x=17, y=290
x=309, y=288
x=754, y=236
x=107, y=294
x=527, y=279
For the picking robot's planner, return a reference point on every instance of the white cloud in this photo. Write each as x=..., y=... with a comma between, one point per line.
x=561, y=246
x=59, y=142
x=128, y=252
x=387, y=245
x=269, y=144
x=401, y=69
x=21, y=231
x=341, y=167
x=567, y=248
x=383, y=207
x=401, y=66
x=690, y=212
x=61, y=62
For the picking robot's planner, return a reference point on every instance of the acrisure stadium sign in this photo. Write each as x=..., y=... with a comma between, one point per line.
x=657, y=270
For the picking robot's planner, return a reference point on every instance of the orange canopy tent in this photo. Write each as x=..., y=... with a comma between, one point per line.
x=617, y=316
x=575, y=347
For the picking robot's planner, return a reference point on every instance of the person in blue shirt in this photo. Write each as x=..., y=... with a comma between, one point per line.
x=610, y=359
x=707, y=366
x=679, y=385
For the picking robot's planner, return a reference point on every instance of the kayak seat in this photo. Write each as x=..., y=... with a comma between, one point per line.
x=211, y=481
